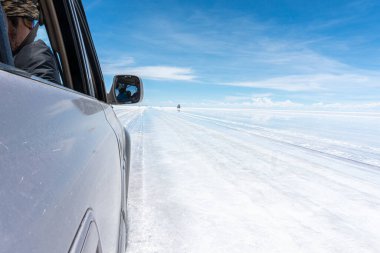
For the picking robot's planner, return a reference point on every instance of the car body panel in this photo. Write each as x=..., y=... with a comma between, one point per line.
x=59, y=157
x=125, y=157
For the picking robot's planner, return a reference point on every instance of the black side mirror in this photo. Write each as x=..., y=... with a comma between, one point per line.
x=126, y=90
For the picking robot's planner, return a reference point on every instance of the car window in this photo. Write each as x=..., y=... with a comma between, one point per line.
x=31, y=54
x=70, y=48
x=67, y=30
x=85, y=72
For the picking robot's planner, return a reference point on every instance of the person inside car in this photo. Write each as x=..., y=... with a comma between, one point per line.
x=34, y=57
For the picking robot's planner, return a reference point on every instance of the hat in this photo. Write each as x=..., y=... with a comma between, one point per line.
x=21, y=8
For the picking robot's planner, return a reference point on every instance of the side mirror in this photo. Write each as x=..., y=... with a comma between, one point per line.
x=126, y=89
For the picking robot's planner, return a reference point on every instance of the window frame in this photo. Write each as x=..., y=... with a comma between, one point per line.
x=72, y=45
x=5, y=48
x=70, y=37
x=88, y=44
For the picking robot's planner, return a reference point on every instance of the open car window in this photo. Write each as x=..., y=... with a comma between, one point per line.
x=33, y=57
x=64, y=30
x=68, y=33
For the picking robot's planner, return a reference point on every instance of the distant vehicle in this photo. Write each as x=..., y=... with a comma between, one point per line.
x=64, y=156
x=178, y=107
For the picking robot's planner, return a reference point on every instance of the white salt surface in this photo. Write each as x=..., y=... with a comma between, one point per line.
x=253, y=181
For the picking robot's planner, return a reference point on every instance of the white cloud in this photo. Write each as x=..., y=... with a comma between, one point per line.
x=113, y=66
x=267, y=102
x=163, y=73
x=91, y=4
x=252, y=54
x=310, y=82
x=292, y=61
x=240, y=98
x=236, y=98
x=347, y=106
x=122, y=65
x=256, y=101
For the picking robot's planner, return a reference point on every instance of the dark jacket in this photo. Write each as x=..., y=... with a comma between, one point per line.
x=37, y=59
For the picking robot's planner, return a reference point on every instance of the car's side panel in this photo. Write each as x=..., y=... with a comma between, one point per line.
x=59, y=157
x=125, y=154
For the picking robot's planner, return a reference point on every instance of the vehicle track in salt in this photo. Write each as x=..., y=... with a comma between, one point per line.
x=299, y=160
x=203, y=187
x=252, y=130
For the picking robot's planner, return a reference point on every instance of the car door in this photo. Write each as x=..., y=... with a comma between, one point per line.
x=59, y=158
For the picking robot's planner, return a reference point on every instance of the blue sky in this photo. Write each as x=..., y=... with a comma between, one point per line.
x=257, y=53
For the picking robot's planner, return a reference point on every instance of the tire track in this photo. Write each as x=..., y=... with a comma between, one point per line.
x=232, y=126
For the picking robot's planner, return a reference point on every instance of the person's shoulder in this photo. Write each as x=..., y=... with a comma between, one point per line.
x=34, y=49
x=39, y=45
x=38, y=59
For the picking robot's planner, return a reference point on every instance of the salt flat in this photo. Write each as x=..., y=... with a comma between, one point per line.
x=253, y=181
